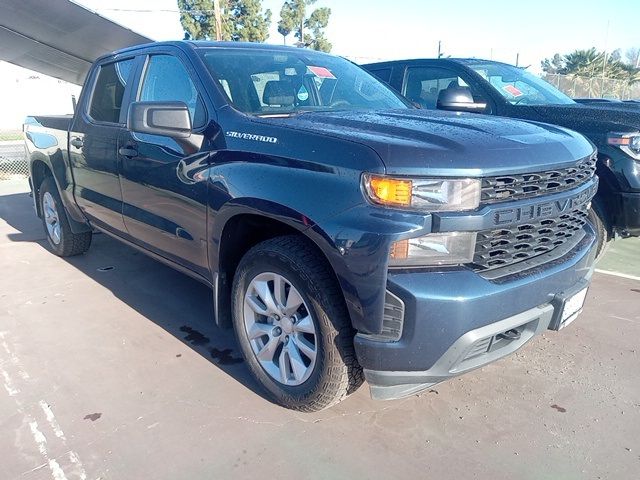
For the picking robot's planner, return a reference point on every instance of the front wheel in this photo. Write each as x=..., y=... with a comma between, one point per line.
x=292, y=325
x=62, y=240
x=597, y=219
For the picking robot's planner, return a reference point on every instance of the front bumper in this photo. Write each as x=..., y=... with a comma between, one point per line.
x=455, y=320
x=629, y=221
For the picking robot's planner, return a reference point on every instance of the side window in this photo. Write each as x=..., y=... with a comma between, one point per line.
x=167, y=80
x=108, y=91
x=383, y=74
x=424, y=84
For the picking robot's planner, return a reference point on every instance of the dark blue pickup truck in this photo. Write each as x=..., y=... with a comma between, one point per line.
x=483, y=86
x=345, y=234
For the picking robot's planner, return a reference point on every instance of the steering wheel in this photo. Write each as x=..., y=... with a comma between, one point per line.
x=522, y=97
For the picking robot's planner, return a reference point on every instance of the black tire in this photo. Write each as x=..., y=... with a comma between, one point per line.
x=598, y=220
x=336, y=372
x=69, y=243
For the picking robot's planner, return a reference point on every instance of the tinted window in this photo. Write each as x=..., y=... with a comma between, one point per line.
x=106, y=101
x=283, y=83
x=166, y=79
x=424, y=84
x=383, y=74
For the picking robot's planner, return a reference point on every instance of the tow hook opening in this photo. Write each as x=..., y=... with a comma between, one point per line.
x=510, y=335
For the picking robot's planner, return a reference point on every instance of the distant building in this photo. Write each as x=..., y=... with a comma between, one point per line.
x=25, y=92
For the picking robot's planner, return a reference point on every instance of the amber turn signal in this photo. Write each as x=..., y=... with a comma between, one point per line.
x=390, y=191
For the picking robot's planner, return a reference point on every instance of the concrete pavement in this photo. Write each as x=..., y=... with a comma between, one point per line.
x=112, y=368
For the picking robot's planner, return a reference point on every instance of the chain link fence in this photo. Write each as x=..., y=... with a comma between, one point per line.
x=594, y=87
x=13, y=155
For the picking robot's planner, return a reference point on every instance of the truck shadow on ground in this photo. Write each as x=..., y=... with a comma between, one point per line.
x=175, y=302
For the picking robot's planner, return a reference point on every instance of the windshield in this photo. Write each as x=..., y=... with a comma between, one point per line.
x=287, y=82
x=519, y=87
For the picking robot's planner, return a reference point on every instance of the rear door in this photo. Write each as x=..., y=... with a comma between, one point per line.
x=164, y=183
x=93, y=143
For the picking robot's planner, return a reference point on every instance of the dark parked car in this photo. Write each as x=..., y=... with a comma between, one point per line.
x=483, y=86
x=344, y=233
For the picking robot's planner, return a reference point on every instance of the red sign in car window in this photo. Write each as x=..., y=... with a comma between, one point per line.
x=512, y=90
x=321, y=72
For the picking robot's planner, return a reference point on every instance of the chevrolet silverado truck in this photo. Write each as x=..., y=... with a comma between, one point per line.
x=483, y=86
x=345, y=234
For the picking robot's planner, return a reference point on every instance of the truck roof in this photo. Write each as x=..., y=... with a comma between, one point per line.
x=195, y=44
x=464, y=61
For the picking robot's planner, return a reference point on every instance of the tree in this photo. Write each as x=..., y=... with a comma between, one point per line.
x=633, y=57
x=293, y=18
x=554, y=65
x=288, y=21
x=596, y=73
x=250, y=24
x=242, y=20
x=317, y=22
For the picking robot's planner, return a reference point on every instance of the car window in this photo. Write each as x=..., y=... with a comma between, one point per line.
x=517, y=86
x=424, y=84
x=383, y=74
x=166, y=79
x=284, y=83
x=108, y=91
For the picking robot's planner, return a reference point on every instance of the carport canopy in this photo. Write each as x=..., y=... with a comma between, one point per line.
x=58, y=38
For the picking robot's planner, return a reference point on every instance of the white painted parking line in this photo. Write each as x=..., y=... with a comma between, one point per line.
x=618, y=274
x=57, y=472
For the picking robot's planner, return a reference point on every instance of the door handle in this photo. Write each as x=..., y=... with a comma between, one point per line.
x=128, y=152
x=77, y=142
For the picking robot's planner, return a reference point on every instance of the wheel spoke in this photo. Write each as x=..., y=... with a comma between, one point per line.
x=297, y=365
x=305, y=325
x=258, y=330
x=283, y=364
x=256, y=306
x=294, y=300
x=268, y=350
x=262, y=289
x=306, y=347
x=56, y=232
x=279, y=284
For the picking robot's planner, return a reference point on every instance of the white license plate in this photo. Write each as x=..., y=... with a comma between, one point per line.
x=573, y=307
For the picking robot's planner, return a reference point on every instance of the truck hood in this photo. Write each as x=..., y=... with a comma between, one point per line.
x=593, y=121
x=417, y=142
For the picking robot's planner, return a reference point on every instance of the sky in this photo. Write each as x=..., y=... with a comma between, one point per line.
x=373, y=30
x=370, y=30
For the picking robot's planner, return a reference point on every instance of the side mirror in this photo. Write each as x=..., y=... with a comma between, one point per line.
x=171, y=119
x=459, y=99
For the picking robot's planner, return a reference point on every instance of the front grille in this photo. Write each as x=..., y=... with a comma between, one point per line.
x=527, y=185
x=502, y=247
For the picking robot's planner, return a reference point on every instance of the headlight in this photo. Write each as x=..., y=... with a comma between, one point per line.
x=452, y=248
x=629, y=143
x=427, y=194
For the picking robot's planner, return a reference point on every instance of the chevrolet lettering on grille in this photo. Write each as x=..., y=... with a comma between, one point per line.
x=532, y=212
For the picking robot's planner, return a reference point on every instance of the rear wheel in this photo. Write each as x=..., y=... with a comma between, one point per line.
x=598, y=220
x=62, y=240
x=292, y=325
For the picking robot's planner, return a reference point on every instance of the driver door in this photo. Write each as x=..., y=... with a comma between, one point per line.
x=423, y=85
x=164, y=203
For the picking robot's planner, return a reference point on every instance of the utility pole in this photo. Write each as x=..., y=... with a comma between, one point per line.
x=604, y=60
x=517, y=58
x=439, y=49
x=302, y=31
x=218, y=15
